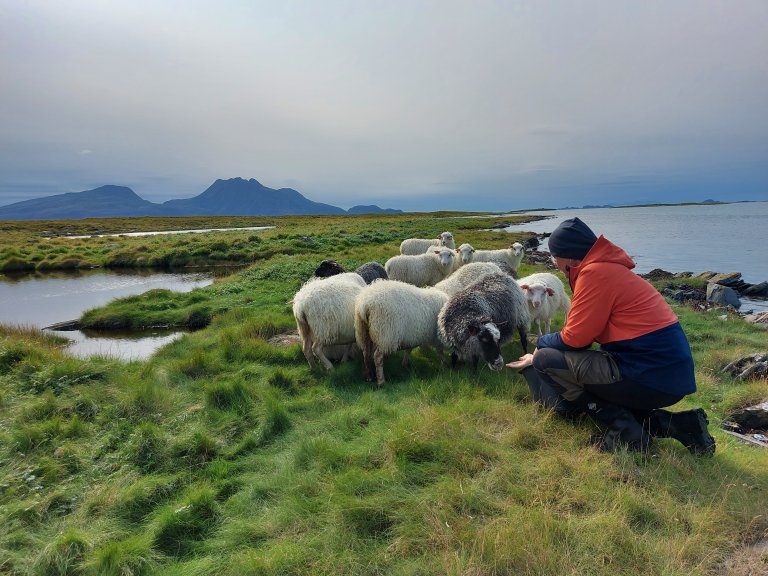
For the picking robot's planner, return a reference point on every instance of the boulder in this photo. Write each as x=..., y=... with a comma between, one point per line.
x=658, y=274
x=756, y=291
x=719, y=294
x=682, y=275
x=751, y=418
x=752, y=366
x=705, y=275
x=727, y=279
x=760, y=319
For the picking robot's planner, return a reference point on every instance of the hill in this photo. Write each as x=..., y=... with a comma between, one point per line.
x=372, y=209
x=239, y=197
x=232, y=197
x=101, y=202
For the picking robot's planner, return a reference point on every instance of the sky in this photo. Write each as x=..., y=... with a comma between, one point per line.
x=411, y=104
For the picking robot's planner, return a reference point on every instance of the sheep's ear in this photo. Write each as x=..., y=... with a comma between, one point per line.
x=436, y=251
x=524, y=286
x=550, y=291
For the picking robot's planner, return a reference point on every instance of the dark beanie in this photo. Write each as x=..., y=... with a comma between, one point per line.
x=572, y=239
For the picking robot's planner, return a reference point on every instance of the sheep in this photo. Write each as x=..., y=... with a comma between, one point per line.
x=393, y=315
x=370, y=271
x=421, y=270
x=477, y=320
x=324, y=312
x=466, y=275
x=416, y=246
x=546, y=295
x=511, y=256
x=465, y=252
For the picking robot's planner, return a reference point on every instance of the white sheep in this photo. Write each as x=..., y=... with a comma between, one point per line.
x=421, y=270
x=392, y=315
x=466, y=275
x=464, y=254
x=546, y=295
x=415, y=246
x=324, y=309
x=511, y=256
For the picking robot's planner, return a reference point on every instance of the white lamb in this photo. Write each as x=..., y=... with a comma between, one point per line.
x=421, y=270
x=511, y=256
x=466, y=275
x=464, y=254
x=392, y=315
x=415, y=246
x=546, y=295
x=324, y=309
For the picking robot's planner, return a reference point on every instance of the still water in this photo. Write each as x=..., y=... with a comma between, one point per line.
x=42, y=299
x=716, y=237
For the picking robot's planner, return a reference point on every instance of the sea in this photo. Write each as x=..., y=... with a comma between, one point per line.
x=729, y=237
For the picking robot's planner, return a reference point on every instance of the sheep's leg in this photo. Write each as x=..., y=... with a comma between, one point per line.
x=378, y=358
x=318, y=350
x=547, y=326
x=406, y=358
x=306, y=347
x=454, y=360
x=523, y=338
x=347, y=352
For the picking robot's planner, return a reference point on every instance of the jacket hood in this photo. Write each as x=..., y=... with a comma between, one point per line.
x=603, y=251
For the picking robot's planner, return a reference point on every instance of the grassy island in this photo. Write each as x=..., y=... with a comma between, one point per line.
x=225, y=454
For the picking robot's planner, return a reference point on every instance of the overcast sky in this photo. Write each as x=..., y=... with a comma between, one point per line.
x=419, y=105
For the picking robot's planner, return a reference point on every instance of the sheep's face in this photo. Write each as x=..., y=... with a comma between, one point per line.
x=536, y=294
x=445, y=255
x=517, y=248
x=446, y=239
x=488, y=336
x=328, y=268
x=465, y=252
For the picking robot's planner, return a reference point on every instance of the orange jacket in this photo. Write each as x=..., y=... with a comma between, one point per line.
x=610, y=302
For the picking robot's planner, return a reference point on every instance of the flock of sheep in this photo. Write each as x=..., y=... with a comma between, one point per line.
x=432, y=294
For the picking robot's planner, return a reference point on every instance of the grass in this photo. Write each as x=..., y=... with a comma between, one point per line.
x=224, y=454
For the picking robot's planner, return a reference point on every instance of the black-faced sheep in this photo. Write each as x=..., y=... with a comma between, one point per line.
x=370, y=271
x=415, y=246
x=421, y=270
x=545, y=295
x=391, y=316
x=324, y=309
x=479, y=319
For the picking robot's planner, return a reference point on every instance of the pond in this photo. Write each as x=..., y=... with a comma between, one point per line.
x=43, y=299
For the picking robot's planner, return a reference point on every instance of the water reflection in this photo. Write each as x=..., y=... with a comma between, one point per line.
x=40, y=299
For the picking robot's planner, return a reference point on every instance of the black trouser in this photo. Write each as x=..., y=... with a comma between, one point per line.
x=569, y=374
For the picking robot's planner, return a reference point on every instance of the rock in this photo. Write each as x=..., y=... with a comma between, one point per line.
x=751, y=418
x=756, y=291
x=752, y=366
x=705, y=275
x=531, y=243
x=501, y=225
x=285, y=339
x=719, y=294
x=682, y=275
x=727, y=279
x=657, y=274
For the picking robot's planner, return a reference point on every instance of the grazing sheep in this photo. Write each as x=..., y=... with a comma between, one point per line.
x=479, y=319
x=370, y=271
x=467, y=275
x=416, y=246
x=546, y=295
x=421, y=270
x=393, y=315
x=325, y=311
x=511, y=256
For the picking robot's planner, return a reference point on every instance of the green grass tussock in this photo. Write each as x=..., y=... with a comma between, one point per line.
x=226, y=454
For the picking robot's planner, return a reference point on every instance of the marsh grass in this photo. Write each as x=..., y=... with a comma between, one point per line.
x=226, y=454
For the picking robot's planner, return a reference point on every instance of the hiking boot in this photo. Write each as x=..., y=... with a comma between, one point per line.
x=688, y=427
x=623, y=429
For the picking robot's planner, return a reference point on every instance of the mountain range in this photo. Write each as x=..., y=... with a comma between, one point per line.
x=232, y=197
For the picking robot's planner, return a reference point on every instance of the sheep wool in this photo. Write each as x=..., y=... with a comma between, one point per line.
x=324, y=311
x=477, y=320
x=545, y=294
x=423, y=269
x=416, y=246
x=393, y=315
x=466, y=275
x=511, y=256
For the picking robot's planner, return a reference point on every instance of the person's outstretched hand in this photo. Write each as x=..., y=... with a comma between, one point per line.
x=524, y=361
